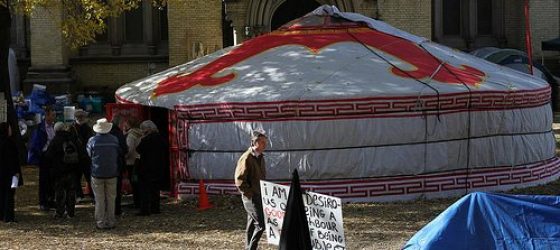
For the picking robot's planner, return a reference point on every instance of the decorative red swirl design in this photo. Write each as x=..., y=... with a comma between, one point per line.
x=422, y=63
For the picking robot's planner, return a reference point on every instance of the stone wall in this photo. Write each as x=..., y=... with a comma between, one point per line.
x=545, y=21
x=414, y=16
x=47, y=43
x=195, y=29
x=108, y=77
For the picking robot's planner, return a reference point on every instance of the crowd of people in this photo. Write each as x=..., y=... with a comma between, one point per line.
x=102, y=154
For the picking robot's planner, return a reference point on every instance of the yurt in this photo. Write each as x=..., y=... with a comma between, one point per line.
x=364, y=111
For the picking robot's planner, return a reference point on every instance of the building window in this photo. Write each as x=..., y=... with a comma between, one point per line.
x=102, y=38
x=140, y=32
x=484, y=17
x=452, y=17
x=469, y=24
x=134, y=26
x=161, y=15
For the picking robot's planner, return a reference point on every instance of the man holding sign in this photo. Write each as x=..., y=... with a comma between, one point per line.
x=249, y=172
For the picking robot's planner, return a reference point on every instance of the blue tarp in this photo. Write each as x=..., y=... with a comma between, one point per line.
x=39, y=99
x=494, y=221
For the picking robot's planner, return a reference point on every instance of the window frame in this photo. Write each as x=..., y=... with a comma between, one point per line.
x=469, y=38
x=116, y=46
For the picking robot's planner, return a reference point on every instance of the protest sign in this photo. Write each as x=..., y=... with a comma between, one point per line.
x=324, y=216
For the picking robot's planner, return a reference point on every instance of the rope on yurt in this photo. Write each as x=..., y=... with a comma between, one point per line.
x=427, y=84
x=374, y=146
x=310, y=89
x=396, y=67
x=509, y=86
x=469, y=107
x=513, y=122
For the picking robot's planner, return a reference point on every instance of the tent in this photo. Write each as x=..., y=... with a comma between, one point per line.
x=364, y=111
x=518, y=60
x=493, y=221
x=515, y=59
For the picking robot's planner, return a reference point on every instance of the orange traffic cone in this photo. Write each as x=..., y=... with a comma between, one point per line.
x=203, y=202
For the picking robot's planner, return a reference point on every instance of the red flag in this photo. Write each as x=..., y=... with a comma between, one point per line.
x=528, y=37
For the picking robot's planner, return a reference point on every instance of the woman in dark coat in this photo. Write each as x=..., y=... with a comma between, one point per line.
x=152, y=149
x=9, y=169
x=65, y=165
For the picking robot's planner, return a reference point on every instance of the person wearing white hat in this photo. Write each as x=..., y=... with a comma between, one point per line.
x=104, y=151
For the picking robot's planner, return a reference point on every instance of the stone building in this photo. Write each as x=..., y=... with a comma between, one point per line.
x=148, y=39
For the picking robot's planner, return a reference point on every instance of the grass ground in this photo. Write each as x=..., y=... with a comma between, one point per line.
x=181, y=226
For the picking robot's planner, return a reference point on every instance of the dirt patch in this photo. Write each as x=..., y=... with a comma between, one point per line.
x=181, y=226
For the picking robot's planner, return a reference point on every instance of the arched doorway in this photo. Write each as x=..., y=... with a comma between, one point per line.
x=290, y=10
x=266, y=15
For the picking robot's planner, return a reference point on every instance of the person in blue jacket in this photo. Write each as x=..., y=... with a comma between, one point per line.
x=104, y=151
x=36, y=156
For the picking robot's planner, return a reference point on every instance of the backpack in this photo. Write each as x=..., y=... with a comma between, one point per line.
x=70, y=153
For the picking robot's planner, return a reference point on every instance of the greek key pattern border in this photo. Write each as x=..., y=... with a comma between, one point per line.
x=484, y=178
x=398, y=106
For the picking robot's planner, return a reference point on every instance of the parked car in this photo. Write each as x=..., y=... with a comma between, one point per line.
x=518, y=60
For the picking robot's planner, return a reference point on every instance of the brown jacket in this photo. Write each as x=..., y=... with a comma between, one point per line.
x=248, y=173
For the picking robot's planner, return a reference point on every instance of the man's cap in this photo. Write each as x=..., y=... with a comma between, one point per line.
x=256, y=134
x=80, y=113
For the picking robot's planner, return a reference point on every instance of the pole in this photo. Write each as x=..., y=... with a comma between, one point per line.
x=528, y=43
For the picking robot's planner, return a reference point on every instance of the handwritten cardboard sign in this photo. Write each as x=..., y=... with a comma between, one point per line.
x=324, y=215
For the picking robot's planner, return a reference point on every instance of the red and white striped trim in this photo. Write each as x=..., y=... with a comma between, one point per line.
x=399, y=106
x=409, y=187
x=480, y=100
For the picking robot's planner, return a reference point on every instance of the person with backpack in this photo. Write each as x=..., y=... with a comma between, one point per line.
x=82, y=132
x=64, y=155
